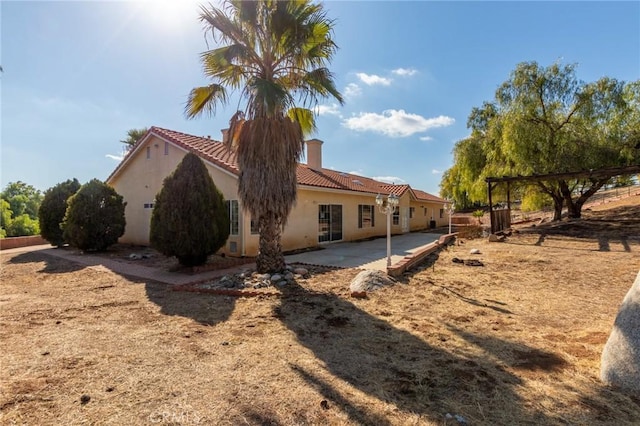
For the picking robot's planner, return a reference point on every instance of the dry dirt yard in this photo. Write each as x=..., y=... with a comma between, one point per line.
x=516, y=341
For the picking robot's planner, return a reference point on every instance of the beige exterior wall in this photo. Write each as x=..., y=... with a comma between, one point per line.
x=141, y=179
x=424, y=212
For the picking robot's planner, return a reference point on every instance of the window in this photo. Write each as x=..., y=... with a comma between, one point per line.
x=366, y=217
x=425, y=211
x=396, y=216
x=148, y=152
x=166, y=148
x=329, y=222
x=255, y=227
x=441, y=213
x=234, y=217
x=412, y=212
x=148, y=205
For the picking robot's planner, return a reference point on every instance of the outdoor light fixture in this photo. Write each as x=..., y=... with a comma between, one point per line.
x=388, y=207
x=450, y=207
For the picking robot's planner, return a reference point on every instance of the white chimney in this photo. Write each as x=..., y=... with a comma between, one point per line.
x=314, y=154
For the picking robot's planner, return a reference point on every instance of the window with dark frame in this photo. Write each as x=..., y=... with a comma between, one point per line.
x=366, y=217
x=234, y=217
x=396, y=216
x=255, y=228
x=166, y=148
x=148, y=152
x=412, y=211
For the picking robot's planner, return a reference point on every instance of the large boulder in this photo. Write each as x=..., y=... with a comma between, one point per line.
x=370, y=280
x=621, y=355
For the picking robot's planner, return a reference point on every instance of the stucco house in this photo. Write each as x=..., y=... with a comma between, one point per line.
x=331, y=206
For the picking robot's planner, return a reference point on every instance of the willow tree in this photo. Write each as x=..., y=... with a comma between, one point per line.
x=274, y=53
x=544, y=120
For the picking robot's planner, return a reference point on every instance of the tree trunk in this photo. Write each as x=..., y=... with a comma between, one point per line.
x=270, y=258
x=575, y=207
x=557, y=198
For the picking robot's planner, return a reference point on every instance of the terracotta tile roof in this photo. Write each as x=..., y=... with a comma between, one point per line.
x=209, y=149
x=216, y=153
x=425, y=196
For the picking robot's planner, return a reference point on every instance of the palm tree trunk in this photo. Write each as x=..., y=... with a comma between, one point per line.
x=270, y=258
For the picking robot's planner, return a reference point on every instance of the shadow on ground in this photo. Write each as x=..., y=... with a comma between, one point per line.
x=616, y=225
x=207, y=310
x=395, y=366
x=52, y=264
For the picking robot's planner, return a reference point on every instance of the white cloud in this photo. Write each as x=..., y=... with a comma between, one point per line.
x=333, y=109
x=356, y=172
x=395, y=123
x=390, y=179
x=352, y=91
x=405, y=72
x=436, y=172
x=426, y=138
x=115, y=157
x=372, y=79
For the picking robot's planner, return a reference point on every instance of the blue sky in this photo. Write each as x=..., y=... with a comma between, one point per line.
x=78, y=75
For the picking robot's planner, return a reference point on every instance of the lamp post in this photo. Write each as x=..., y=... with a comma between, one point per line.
x=450, y=206
x=388, y=208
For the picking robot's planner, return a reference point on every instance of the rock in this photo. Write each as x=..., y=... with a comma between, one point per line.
x=370, y=280
x=300, y=271
x=282, y=283
x=620, y=363
x=288, y=276
x=135, y=256
x=84, y=399
x=493, y=238
x=359, y=294
x=474, y=251
x=261, y=277
x=275, y=278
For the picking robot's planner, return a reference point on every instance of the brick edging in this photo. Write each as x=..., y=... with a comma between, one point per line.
x=17, y=242
x=411, y=260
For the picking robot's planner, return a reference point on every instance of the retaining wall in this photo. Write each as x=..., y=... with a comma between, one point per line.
x=411, y=260
x=15, y=242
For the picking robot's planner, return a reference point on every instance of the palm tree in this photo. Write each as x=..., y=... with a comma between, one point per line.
x=133, y=135
x=274, y=53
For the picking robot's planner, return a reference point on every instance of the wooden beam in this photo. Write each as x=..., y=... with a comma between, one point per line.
x=596, y=174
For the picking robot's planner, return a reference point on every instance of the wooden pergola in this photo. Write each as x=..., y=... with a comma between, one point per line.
x=502, y=219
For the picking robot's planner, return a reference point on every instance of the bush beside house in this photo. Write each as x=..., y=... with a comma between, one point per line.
x=189, y=219
x=94, y=219
x=53, y=208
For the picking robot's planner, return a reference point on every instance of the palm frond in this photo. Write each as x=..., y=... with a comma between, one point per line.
x=305, y=118
x=205, y=100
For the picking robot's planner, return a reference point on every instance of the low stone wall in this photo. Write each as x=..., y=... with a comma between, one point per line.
x=15, y=242
x=411, y=260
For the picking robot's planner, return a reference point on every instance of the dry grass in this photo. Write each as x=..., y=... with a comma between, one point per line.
x=516, y=341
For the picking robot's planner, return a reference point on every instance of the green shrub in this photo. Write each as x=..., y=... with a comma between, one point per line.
x=5, y=217
x=53, y=208
x=478, y=214
x=189, y=219
x=22, y=226
x=94, y=219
